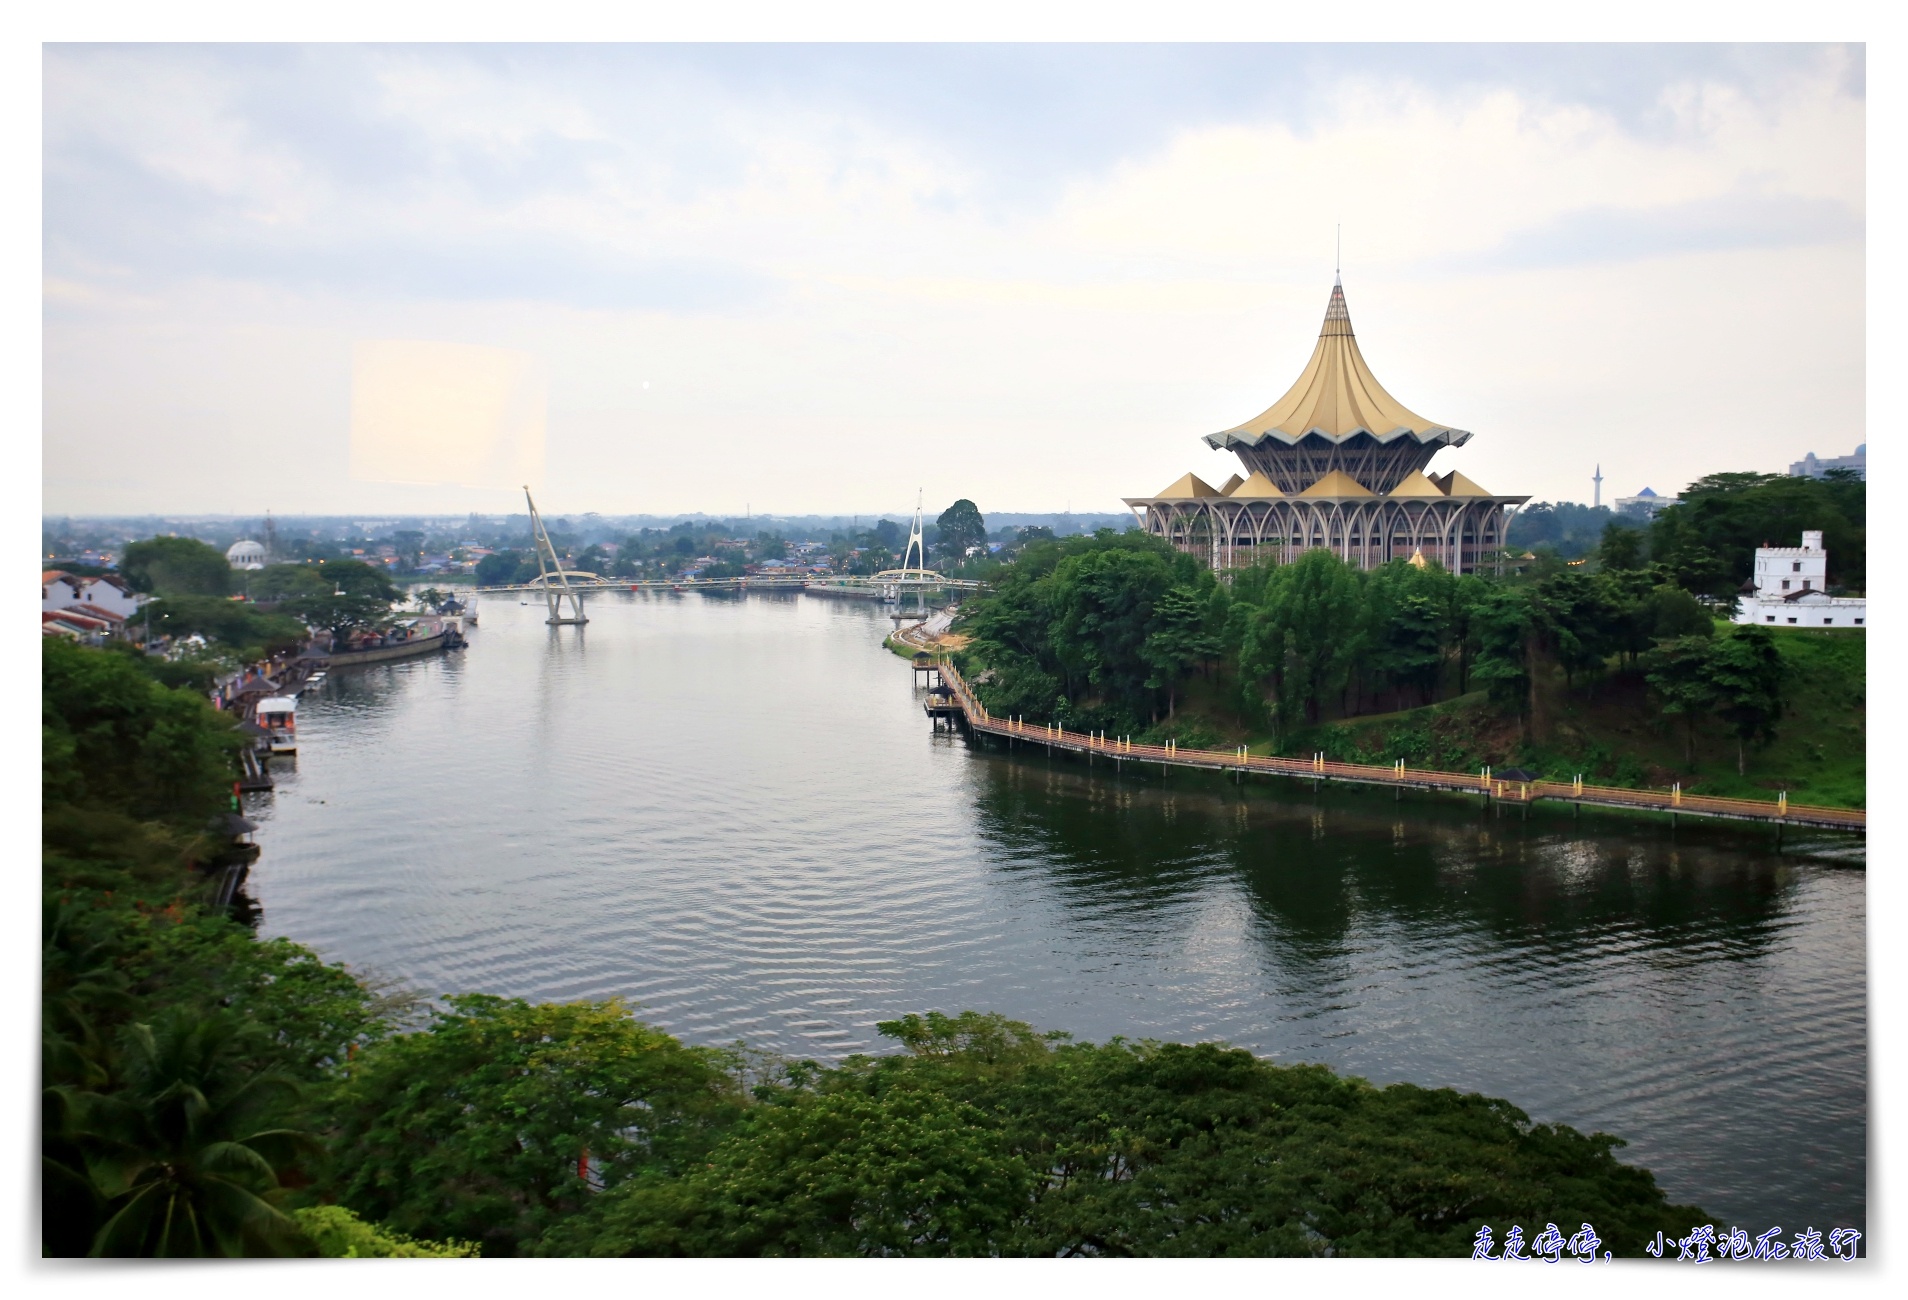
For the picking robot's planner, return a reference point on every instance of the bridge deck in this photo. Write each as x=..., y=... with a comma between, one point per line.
x=858, y=586
x=1674, y=802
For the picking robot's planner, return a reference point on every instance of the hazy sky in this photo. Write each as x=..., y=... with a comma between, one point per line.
x=815, y=278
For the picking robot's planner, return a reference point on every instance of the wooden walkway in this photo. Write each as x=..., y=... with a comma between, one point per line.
x=960, y=700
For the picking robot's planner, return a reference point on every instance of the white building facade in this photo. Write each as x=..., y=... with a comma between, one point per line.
x=1790, y=589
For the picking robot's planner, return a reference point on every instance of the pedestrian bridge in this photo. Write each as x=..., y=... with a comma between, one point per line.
x=887, y=584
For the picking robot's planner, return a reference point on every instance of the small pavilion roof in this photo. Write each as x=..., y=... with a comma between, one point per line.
x=1186, y=488
x=1258, y=487
x=1338, y=484
x=1227, y=488
x=1415, y=484
x=1455, y=484
x=1337, y=397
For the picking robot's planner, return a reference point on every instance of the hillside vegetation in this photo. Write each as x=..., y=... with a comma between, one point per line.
x=1612, y=668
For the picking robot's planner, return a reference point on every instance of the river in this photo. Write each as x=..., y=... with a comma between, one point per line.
x=730, y=811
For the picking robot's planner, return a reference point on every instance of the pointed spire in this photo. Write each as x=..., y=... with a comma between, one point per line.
x=1337, y=318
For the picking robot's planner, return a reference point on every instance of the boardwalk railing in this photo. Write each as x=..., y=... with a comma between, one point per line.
x=1319, y=768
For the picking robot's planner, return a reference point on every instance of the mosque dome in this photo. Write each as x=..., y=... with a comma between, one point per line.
x=246, y=554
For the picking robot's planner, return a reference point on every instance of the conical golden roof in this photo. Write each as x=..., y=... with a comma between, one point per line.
x=1455, y=484
x=1186, y=488
x=1415, y=484
x=1226, y=488
x=1336, y=397
x=1338, y=484
x=1258, y=487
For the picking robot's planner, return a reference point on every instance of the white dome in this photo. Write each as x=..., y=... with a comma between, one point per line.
x=246, y=554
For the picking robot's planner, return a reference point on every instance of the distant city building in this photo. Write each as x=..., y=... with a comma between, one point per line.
x=1337, y=463
x=247, y=554
x=1645, y=503
x=1813, y=466
x=1790, y=589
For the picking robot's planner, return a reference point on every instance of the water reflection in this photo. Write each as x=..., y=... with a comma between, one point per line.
x=1694, y=991
x=733, y=812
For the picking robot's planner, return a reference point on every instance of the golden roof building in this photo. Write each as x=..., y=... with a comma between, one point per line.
x=1337, y=462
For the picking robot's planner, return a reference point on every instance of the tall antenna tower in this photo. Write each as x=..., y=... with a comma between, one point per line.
x=552, y=595
x=917, y=551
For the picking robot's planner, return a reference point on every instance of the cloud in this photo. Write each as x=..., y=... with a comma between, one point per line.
x=1589, y=236
x=814, y=251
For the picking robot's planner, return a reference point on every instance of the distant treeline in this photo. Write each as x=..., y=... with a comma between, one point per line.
x=1708, y=540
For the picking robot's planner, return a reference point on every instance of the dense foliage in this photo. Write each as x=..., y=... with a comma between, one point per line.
x=176, y=566
x=245, y=630
x=1110, y=632
x=961, y=528
x=178, y=1053
x=986, y=1138
x=480, y=1125
x=1568, y=529
x=1708, y=542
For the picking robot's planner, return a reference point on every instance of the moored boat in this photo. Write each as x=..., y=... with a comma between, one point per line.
x=278, y=715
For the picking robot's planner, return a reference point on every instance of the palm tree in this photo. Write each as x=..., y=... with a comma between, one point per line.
x=187, y=1155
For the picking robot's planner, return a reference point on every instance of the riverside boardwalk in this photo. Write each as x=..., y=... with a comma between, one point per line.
x=956, y=698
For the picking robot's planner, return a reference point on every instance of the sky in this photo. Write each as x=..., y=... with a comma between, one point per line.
x=821, y=279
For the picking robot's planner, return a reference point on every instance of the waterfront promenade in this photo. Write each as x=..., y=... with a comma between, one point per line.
x=962, y=703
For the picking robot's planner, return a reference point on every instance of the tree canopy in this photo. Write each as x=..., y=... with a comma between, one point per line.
x=176, y=566
x=987, y=1138
x=1708, y=541
x=961, y=527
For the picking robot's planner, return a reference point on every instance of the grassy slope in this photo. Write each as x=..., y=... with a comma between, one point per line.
x=1611, y=733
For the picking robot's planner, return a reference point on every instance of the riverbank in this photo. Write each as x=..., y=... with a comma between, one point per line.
x=806, y=861
x=632, y=1140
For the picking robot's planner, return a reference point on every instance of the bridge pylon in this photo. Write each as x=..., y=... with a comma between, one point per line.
x=553, y=595
x=915, y=557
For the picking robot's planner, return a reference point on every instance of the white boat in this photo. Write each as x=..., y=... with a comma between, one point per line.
x=278, y=714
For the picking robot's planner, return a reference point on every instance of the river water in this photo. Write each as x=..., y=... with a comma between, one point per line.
x=731, y=811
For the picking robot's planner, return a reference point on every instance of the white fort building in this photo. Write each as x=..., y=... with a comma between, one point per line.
x=1790, y=589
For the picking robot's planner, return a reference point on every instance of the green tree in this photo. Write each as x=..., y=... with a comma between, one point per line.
x=1573, y=620
x=110, y=736
x=987, y=1138
x=1176, y=640
x=1102, y=600
x=337, y=1233
x=961, y=527
x=1503, y=620
x=243, y=630
x=473, y=1128
x=176, y=566
x=187, y=1157
x=1679, y=672
x=280, y=581
x=1708, y=540
x=1410, y=634
x=1316, y=602
x=1621, y=547
x=1745, y=678
x=356, y=578
x=354, y=596
x=498, y=568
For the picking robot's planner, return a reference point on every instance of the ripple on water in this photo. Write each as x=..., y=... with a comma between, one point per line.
x=730, y=812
